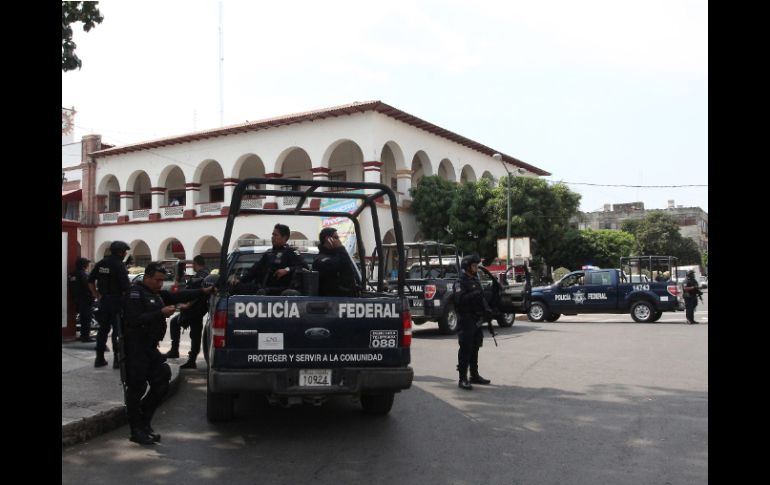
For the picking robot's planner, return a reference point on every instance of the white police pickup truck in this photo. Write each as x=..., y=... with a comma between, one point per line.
x=307, y=348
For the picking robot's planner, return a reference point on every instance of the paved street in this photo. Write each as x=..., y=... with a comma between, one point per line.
x=584, y=400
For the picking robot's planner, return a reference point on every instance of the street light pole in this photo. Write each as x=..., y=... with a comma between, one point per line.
x=499, y=157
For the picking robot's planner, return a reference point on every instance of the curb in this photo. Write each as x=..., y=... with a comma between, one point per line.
x=92, y=426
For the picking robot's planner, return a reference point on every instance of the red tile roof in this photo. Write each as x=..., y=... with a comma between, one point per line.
x=347, y=109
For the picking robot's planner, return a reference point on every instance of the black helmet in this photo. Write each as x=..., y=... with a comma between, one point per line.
x=691, y=272
x=82, y=263
x=118, y=246
x=468, y=261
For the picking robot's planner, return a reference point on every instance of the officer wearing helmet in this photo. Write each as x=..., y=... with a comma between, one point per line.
x=691, y=294
x=471, y=307
x=81, y=294
x=109, y=283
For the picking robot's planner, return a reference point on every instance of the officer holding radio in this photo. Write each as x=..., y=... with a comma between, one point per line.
x=144, y=325
x=336, y=276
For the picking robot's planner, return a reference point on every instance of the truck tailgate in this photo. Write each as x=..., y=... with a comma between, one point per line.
x=281, y=332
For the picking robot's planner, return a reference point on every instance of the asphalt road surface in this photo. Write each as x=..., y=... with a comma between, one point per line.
x=589, y=399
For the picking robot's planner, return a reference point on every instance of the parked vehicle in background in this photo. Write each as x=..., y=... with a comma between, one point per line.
x=604, y=291
x=176, y=276
x=433, y=268
x=703, y=281
x=681, y=272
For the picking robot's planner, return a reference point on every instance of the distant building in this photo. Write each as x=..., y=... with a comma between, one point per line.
x=693, y=221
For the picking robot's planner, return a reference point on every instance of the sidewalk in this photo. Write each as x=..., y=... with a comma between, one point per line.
x=91, y=398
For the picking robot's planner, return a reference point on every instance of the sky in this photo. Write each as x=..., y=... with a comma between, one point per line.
x=605, y=92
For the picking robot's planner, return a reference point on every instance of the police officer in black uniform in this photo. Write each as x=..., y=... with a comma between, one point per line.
x=109, y=283
x=336, y=276
x=274, y=272
x=691, y=294
x=191, y=316
x=81, y=294
x=472, y=310
x=144, y=324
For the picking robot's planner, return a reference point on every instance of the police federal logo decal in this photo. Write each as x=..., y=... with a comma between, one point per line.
x=579, y=297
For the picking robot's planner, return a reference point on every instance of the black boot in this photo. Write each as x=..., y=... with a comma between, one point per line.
x=100, y=362
x=151, y=433
x=477, y=379
x=463, y=382
x=138, y=435
x=190, y=364
x=174, y=352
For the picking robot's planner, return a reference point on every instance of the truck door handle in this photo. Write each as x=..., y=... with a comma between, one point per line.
x=318, y=307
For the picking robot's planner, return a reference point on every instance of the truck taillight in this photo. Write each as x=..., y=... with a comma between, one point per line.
x=673, y=290
x=219, y=327
x=406, y=322
x=429, y=291
x=174, y=288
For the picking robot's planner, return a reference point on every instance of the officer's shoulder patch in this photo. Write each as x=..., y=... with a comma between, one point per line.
x=135, y=294
x=296, y=251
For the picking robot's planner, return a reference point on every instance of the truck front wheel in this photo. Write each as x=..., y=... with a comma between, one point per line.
x=506, y=320
x=642, y=312
x=537, y=312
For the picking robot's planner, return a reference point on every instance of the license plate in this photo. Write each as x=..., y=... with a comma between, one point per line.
x=315, y=377
x=416, y=302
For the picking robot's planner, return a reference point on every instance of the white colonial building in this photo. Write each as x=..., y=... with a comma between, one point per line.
x=169, y=198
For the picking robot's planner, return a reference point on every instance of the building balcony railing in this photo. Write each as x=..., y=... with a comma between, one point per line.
x=172, y=212
x=108, y=217
x=208, y=208
x=139, y=215
x=251, y=203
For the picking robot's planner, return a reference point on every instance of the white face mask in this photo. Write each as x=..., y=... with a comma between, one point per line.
x=125, y=258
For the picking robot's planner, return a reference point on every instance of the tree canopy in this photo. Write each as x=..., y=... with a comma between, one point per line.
x=469, y=217
x=657, y=233
x=71, y=12
x=473, y=215
x=431, y=200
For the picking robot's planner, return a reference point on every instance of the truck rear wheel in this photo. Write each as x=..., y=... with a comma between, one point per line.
x=448, y=321
x=642, y=312
x=205, y=344
x=538, y=312
x=506, y=320
x=219, y=406
x=377, y=404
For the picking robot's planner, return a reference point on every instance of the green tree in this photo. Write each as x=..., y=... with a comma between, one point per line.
x=608, y=245
x=539, y=211
x=603, y=248
x=431, y=200
x=71, y=12
x=705, y=260
x=687, y=252
x=469, y=218
x=658, y=234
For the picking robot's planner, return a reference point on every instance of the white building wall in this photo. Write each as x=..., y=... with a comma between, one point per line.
x=369, y=130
